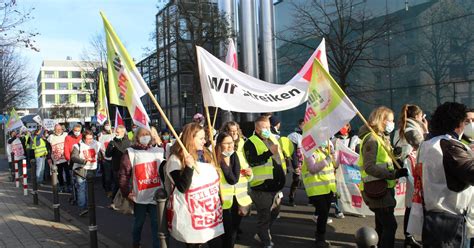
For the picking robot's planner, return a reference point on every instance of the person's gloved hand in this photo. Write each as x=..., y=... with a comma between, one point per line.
x=403, y=172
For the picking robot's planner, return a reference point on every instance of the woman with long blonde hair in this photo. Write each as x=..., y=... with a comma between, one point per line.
x=378, y=174
x=194, y=207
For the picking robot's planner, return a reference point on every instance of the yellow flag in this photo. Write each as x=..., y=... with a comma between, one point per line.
x=102, y=104
x=126, y=85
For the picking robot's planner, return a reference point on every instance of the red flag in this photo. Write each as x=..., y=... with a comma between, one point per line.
x=118, y=119
x=231, y=57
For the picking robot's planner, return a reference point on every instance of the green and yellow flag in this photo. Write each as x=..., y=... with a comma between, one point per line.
x=14, y=121
x=126, y=85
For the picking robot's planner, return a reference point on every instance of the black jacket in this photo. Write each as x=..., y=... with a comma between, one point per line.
x=458, y=164
x=117, y=147
x=269, y=185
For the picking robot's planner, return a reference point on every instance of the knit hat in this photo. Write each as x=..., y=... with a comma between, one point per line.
x=274, y=121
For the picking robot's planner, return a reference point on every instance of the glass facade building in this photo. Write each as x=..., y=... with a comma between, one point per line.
x=424, y=55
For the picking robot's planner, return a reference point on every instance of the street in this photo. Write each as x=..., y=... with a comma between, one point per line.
x=294, y=228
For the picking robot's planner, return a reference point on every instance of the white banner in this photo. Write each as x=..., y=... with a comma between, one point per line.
x=49, y=124
x=348, y=179
x=227, y=88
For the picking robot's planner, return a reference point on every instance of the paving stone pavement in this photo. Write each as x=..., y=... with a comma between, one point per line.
x=23, y=224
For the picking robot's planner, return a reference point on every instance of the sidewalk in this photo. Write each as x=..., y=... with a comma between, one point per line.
x=23, y=224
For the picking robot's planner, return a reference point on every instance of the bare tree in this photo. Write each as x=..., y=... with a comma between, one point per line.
x=435, y=45
x=15, y=87
x=95, y=53
x=11, y=20
x=349, y=29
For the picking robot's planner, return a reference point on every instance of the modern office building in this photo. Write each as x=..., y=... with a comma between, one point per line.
x=66, y=90
x=170, y=71
x=425, y=56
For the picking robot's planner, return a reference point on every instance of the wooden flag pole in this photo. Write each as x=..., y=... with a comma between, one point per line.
x=211, y=134
x=377, y=137
x=215, y=117
x=168, y=123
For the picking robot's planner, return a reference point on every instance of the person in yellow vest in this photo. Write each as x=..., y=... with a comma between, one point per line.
x=268, y=165
x=41, y=151
x=131, y=133
x=234, y=186
x=378, y=175
x=320, y=186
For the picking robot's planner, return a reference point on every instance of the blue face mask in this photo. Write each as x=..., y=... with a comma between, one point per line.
x=266, y=133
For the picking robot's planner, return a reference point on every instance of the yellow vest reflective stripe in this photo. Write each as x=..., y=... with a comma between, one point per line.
x=265, y=171
x=240, y=189
x=40, y=150
x=28, y=142
x=382, y=158
x=322, y=182
x=287, y=146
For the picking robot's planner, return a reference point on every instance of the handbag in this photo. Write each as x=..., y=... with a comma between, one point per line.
x=375, y=189
x=123, y=205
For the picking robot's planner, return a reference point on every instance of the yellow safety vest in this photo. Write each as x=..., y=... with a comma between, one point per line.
x=130, y=135
x=322, y=182
x=28, y=141
x=382, y=158
x=265, y=171
x=287, y=146
x=40, y=150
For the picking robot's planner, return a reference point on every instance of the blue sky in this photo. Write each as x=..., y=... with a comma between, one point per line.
x=66, y=26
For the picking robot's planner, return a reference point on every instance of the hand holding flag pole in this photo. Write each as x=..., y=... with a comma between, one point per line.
x=379, y=139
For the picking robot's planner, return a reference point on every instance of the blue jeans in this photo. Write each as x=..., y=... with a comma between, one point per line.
x=81, y=189
x=139, y=212
x=40, y=169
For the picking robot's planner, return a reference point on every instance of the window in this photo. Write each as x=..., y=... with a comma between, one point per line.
x=63, y=86
x=63, y=74
x=411, y=59
x=64, y=98
x=48, y=74
x=87, y=86
x=81, y=98
x=76, y=74
x=50, y=98
x=76, y=86
x=49, y=86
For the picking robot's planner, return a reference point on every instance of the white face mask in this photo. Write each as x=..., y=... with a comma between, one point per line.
x=469, y=130
x=227, y=154
x=107, y=128
x=77, y=134
x=390, y=126
x=145, y=140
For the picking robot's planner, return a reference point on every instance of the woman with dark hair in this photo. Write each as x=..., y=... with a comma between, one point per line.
x=378, y=174
x=194, y=207
x=234, y=186
x=141, y=163
x=413, y=130
x=447, y=180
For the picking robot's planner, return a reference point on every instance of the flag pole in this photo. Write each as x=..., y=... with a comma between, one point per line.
x=377, y=137
x=215, y=117
x=168, y=123
x=211, y=138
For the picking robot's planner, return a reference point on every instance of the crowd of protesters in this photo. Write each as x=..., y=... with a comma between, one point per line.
x=240, y=173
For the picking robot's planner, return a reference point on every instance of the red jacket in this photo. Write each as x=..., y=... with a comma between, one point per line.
x=70, y=141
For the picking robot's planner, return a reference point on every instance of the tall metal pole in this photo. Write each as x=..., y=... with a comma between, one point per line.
x=248, y=33
x=91, y=205
x=267, y=40
x=54, y=184
x=227, y=8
